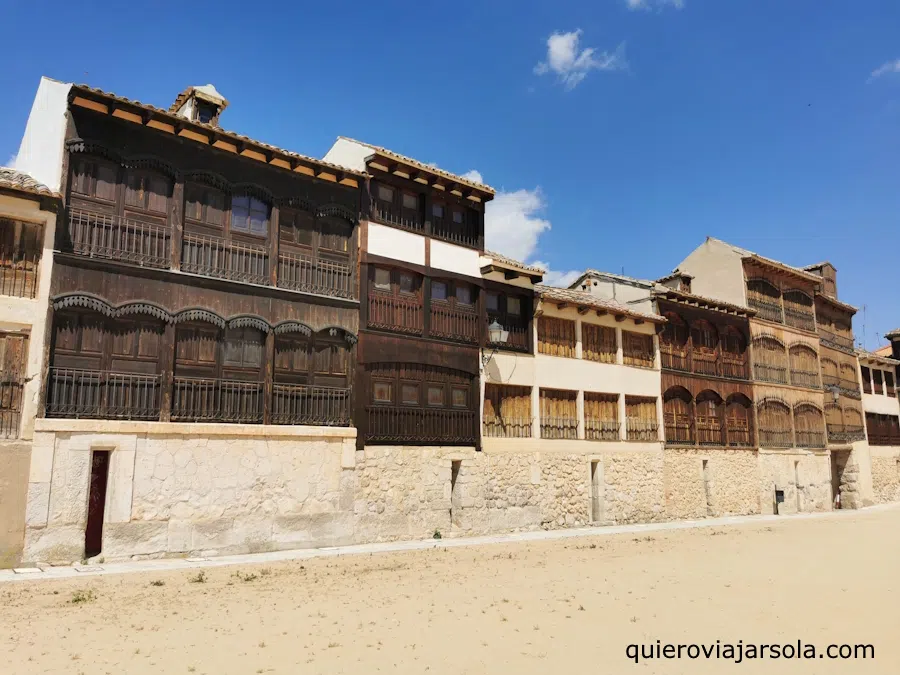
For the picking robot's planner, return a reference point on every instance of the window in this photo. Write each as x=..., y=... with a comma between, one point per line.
x=493, y=302
x=458, y=217
x=437, y=210
x=243, y=347
x=867, y=379
x=382, y=392
x=889, y=384
x=385, y=193
x=21, y=245
x=877, y=379
x=206, y=112
x=407, y=283
x=556, y=337
x=640, y=419
x=438, y=290
x=382, y=279
x=409, y=394
x=507, y=411
x=94, y=178
x=250, y=215
x=463, y=294
x=460, y=397
x=514, y=306
x=296, y=227
x=147, y=191
x=637, y=349
x=559, y=413
x=601, y=416
x=204, y=204
x=410, y=201
x=436, y=394
x=599, y=343
x=334, y=235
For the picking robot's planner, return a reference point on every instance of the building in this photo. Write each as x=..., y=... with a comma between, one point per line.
x=204, y=311
x=27, y=227
x=878, y=375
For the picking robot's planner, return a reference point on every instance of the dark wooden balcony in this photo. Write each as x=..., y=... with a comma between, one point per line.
x=641, y=430
x=709, y=431
x=305, y=404
x=735, y=366
x=100, y=235
x=197, y=399
x=214, y=257
x=453, y=323
x=392, y=214
x=845, y=433
x=832, y=339
x=300, y=272
x=10, y=408
x=884, y=438
x=738, y=433
x=766, y=373
x=705, y=362
x=518, y=327
x=800, y=319
x=98, y=394
x=805, y=378
x=867, y=385
x=776, y=438
x=679, y=431
x=601, y=430
x=396, y=424
x=771, y=311
x=396, y=313
x=464, y=234
x=701, y=362
x=507, y=427
x=19, y=272
x=559, y=427
x=674, y=358
x=810, y=439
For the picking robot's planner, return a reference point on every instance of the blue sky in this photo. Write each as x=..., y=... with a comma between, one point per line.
x=756, y=121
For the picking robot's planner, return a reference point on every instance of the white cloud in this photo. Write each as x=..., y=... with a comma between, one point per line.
x=886, y=68
x=572, y=64
x=635, y=5
x=473, y=176
x=11, y=162
x=560, y=279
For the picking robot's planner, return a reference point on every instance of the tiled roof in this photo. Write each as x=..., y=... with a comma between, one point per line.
x=886, y=350
x=835, y=301
x=817, y=265
x=424, y=167
x=620, y=277
x=744, y=253
x=215, y=128
x=675, y=294
x=504, y=260
x=892, y=333
x=11, y=179
x=874, y=356
x=589, y=300
x=207, y=89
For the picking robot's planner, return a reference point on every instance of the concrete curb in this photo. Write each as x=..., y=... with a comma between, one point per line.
x=174, y=564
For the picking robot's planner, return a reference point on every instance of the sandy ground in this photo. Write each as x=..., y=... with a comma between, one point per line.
x=525, y=608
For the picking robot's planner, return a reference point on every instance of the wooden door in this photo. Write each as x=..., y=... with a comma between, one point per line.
x=93, y=534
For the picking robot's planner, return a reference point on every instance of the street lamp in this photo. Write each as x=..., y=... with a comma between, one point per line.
x=497, y=335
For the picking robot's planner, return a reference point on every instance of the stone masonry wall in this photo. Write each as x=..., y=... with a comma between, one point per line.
x=14, y=459
x=886, y=474
x=780, y=469
x=729, y=487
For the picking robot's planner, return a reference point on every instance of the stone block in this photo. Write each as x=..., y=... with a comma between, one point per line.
x=41, y=469
x=62, y=543
x=212, y=534
x=141, y=537
x=179, y=536
x=38, y=505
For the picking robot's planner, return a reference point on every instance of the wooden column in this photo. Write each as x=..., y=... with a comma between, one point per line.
x=623, y=410
x=176, y=221
x=693, y=424
x=579, y=408
x=268, y=377
x=274, y=238
x=426, y=306
x=167, y=371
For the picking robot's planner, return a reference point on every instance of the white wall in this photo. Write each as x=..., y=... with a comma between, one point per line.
x=349, y=154
x=455, y=259
x=389, y=242
x=718, y=272
x=41, y=151
x=634, y=296
x=881, y=404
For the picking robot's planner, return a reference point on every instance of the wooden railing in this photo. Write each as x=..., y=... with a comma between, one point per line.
x=705, y=363
x=776, y=438
x=738, y=433
x=394, y=424
x=19, y=272
x=766, y=373
x=305, y=404
x=518, y=328
x=10, y=408
x=394, y=215
x=214, y=257
x=196, y=399
x=559, y=427
x=601, y=430
x=507, y=427
x=725, y=364
x=453, y=323
x=300, y=272
x=770, y=311
x=735, y=366
x=800, y=319
x=102, y=395
x=810, y=439
x=884, y=438
x=679, y=433
x=673, y=358
x=867, y=385
x=446, y=229
x=835, y=339
x=102, y=235
x=805, y=378
x=396, y=313
x=845, y=433
x=709, y=431
x=641, y=430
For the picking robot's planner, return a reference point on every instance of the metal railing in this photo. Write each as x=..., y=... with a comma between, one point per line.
x=395, y=215
x=766, y=373
x=559, y=427
x=396, y=313
x=805, y=378
x=776, y=438
x=810, y=439
x=307, y=404
x=800, y=319
x=196, y=399
x=641, y=430
x=10, y=408
x=601, y=430
x=453, y=323
x=835, y=339
x=19, y=272
x=507, y=427
x=395, y=424
x=99, y=394
x=214, y=257
x=107, y=236
x=766, y=310
x=300, y=272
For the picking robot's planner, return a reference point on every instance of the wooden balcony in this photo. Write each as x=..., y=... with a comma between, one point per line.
x=507, y=427
x=214, y=257
x=392, y=214
x=723, y=364
x=19, y=272
x=679, y=432
x=884, y=438
x=738, y=433
x=771, y=311
x=766, y=373
x=836, y=340
x=601, y=430
x=98, y=394
x=299, y=272
x=641, y=430
x=805, y=378
x=99, y=235
x=305, y=404
x=705, y=362
x=800, y=319
x=396, y=424
x=776, y=438
x=845, y=433
x=196, y=399
x=453, y=323
x=518, y=328
x=810, y=439
x=709, y=432
x=10, y=408
x=464, y=234
x=396, y=313
x=559, y=427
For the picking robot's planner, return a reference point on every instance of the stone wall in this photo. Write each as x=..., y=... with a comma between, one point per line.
x=728, y=485
x=885, y=474
x=14, y=460
x=780, y=470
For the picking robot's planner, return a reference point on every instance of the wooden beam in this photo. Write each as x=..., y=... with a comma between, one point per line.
x=583, y=310
x=562, y=305
x=509, y=274
x=602, y=312
x=620, y=317
x=638, y=322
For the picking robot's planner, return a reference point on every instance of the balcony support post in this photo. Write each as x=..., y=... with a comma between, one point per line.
x=166, y=367
x=176, y=223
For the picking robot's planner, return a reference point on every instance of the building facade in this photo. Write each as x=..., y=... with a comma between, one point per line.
x=878, y=375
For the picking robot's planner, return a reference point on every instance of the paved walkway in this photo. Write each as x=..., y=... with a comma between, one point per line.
x=171, y=564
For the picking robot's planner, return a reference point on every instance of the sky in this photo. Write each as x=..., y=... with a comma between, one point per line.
x=619, y=134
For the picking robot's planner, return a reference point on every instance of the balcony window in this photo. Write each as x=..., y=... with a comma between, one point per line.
x=459, y=397
x=866, y=380
x=678, y=416
x=513, y=306
x=382, y=279
x=601, y=416
x=410, y=202
x=21, y=245
x=774, y=419
x=883, y=429
x=508, y=311
x=385, y=193
x=458, y=217
x=673, y=343
x=809, y=426
x=598, y=343
x=734, y=353
x=147, y=191
x=464, y=294
x=437, y=211
x=877, y=381
x=507, y=411
x=640, y=419
x=559, y=415
x=204, y=204
x=249, y=215
x=94, y=177
x=382, y=392
x=889, y=384
x=409, y=394
x=435, y=395
x=452, y=312
x=765, y=298
x=395, y=301
x=556, y=337
x=769, y=360
x=637, y=349
x=438, y=290
x=799, y=310
x=804, y=366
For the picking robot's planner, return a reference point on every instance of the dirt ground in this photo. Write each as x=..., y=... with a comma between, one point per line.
x=573, y=604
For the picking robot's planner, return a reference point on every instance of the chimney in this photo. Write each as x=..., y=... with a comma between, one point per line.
x=679, y=281
x=200, y=104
